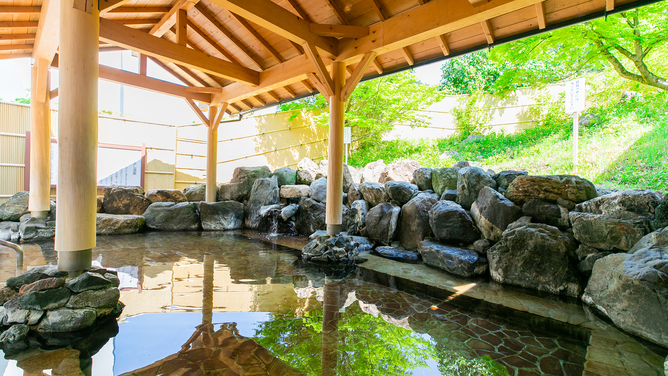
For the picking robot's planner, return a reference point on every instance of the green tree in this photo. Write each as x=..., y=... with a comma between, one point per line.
x=375, y=106
x=633, y=43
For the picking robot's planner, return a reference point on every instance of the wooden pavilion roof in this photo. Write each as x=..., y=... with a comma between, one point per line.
x=252, y=53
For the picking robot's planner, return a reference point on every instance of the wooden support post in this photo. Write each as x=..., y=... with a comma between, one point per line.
x=215, y=115
x=334, y=213
x=77, y=134
x=40, y=141
x=143, y=64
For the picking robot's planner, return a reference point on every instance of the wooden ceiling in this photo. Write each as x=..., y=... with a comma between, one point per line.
x=251, y=53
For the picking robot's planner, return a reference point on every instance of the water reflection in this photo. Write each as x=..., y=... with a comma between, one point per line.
x=224, y=304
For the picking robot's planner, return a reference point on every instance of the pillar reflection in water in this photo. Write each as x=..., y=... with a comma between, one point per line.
x=330, y=327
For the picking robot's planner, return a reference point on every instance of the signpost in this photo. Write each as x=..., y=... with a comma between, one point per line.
x=347, y=137
x=575, y=102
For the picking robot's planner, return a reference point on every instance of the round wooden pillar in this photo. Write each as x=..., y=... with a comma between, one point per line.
x=334, y=212
x=211, y=159
x=77, y=134
x=40, y=141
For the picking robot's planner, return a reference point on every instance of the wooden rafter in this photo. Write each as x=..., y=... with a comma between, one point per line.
x=17, y=24
x=307, y=85
x=247, y=104
x=609, y=5
x=320, y=69
x=228, y=34
x=323, y=89
x=274, y=95
x=17, y=37
x=169, y=19
x=378, y=8
x=139, y=10
x=10, y=47
x=258, y=37
x=339, y=31
x=234, y=107
x=540, y=14
x=376, y=65
x=299, y=10
x=139, y=22
x=407, y=55
x=108, y=5
x=259, y=100
x=356, y=75
x=210, y=90
x=213, y=43
x=169, y=70
x=143, y=65
x=215, y=79
x=443, y=44
x=19, y=10
x=291, y=92
x=122, y=36
x=338, y=12
x=487, y=30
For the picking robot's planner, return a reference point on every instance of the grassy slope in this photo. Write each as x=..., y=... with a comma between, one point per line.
x=626, y=149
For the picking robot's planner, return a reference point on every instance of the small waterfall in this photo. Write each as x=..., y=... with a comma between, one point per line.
x=273, y=223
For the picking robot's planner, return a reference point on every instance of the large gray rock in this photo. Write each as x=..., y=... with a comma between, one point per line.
x=624, y=204
x=104, y=298
x=355, y=174
x=195, y=192
x=661, y=214
x=381, y=222
x=493, y=213
x=87, y=281
x=536, y=256
x=504, y=178
x=550, y=188
x=285, y=176
x=294, y=191
x=354, y=194
x=221, y=215
x=603, y=232
x=450, y=223
x=632, y=290
x=35, y=229
x=399, y=171
x=348, y=178
x=117, y=224
x=14, y=314
x=33, y=275
x=233, y=192
x=548, y=213
x=658, y=237
x=318, y=190
x=414, y=224
x=400, y=191
x=306, y=171
x=169, y=216
x=310, y=216
x=165, y=195
x=265, y=192
x=246, y=177
x=15, y=207
x=444, y=179
x=45, y=300
x=125, y=200
x=373, y=193
x=289, y=211
x=357, y=216
x=422, y=178
x=470, y=180
x=14, y=334
x=371, y=172
x=457, y=261
x=398, y=254
x=67, y=320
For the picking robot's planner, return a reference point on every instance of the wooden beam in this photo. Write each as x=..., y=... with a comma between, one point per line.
x=378, y=8
x=339, y=31
x=53, y=93
x=407, y=55
x=197, y=111
x=376, y=65
x=299, y=10
x=4, y=9
x=139, y=10
x=122, y=36
x=443, y=44
x=47, y=38
x=231, y=37
x=274, y=95
x=106, y=6
x=247, y=104
x=291, y=92
x=17, y=24
x=143, y=65
x=234, y=107
x=307, y=85
x=280, y=21
x=10, y=47
x=477, y=3
x=181, y=27
x=258, y=37
x=259, y=100
x=193, y=75
x=540, y=14
x=488, y=32
x=169, y=70
x=169, y=19
x=323, y=89
x=338, y=12
x=320, y=69
x=16, y=37
x=41, y=67
x=609, y=5
x=357, y=75
x=209, y=90
x=14, y=56
x=213, y=43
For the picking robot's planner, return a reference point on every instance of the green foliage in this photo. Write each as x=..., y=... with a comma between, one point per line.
x=472, y=116
x=375, y=106
x=25, y=100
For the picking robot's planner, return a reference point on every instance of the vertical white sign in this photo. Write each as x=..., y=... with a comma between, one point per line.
x=575, y=96
x=347, y=135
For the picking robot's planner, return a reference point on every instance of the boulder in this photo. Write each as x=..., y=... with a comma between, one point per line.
x=264, y=192
x=125, y=200
x=584, y=251
x=398, y=254
x=457, y=261
x=451, y=223
x=493, y=213
x=373, y=193
x=371, y=172
x=548, y=213
x=504, y=178
x=14, y=334
x=632, y=290
x=310, y=216
x=355, y=174
x=87, y=281
x=35, y=229
x=100, y=206
x=444, y=179
x=322, y=169
x=169, y=216
x=221, y=215
x=289, y=211
x=306, y=171
x=624, y=204
x=422, y=178
x=15, y=207
x=42, y=284
x=603, y=232
x=400, y=191
x=414, y=224
x=165, y=195
x=44, y=300
x=67, y=320
x=14, y=314
x=585, y=266
x=449, y=195
x=285, y=176
x=461, y=164
x=246, y=177
x=550, y=188
x=357, y=216
x=381, y=222
x=233, y=192
x=659, y=237
x=294, y=191
x=354, y=194
x=661, y=214
x=341, y=248
x=318, y=190
x=450, y=154
x=536, y=256
x=399, y=171
x=34, y=274
x=195, y=192
x=470, y=180
x=117, y=224
x=104, y=298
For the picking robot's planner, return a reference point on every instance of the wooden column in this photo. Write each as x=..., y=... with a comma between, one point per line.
x=40, y=140
x=334, y=211
x=211, y=156
x=77, y=134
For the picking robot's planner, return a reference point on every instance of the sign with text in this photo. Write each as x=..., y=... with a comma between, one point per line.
x=347, y=135
x=575, y=96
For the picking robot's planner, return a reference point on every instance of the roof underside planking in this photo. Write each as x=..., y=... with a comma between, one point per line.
x=252, y=53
